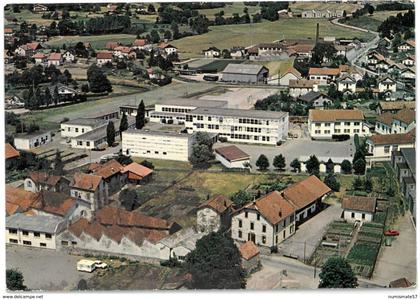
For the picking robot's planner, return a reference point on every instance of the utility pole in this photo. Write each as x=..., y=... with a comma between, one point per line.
x=304, y=251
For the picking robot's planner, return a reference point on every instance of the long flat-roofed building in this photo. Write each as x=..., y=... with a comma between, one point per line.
x=157, y=144
x=237, y=125
x=175, y=110
x=245, y=73
x=81, y=126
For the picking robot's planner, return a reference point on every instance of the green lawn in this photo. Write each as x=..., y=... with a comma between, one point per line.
x=229, y=10
x=309, y=5
x=371, y=22
x=276, y=67
x=227, y=36
x=97, y=41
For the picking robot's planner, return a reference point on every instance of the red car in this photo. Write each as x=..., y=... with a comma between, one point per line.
x=391, y=232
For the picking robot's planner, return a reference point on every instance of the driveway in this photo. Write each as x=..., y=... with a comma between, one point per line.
x=45, y=269
x=303, y=243
x=399, y=259
x=295, y=148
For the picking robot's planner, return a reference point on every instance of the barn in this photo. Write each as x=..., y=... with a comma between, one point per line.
x=245, y=73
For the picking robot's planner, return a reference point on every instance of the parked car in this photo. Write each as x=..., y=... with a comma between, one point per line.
x=391, y=232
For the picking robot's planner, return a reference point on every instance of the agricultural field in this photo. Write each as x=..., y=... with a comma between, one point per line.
x=300, y=6
x=276, y=67
x=227, y=36
x=371, y=22
x=229, y=10
x=97, y=41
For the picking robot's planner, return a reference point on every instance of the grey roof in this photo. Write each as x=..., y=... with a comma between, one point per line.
x=31, y=135
x=409, y=155
x=159, y=133
x=95, y=122
x=186, y=237
x=253, y=69
x=193, y=103
x=312, y=96
x=100, y=132
x=240, y=113
x=45, y=224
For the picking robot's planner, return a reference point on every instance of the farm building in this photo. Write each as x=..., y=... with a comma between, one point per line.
x=214, y=214
x=360, y=208
x=250, y=256
x=232, y=157
x=32, y=140
x=245, y=73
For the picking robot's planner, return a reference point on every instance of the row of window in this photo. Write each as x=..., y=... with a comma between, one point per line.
x=347, y=123
x=337, y=131
x=251, y=121
x=29, y=243
x=175, y=110
x=26, y=233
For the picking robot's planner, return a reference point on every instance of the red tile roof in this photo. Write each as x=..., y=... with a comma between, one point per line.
x=12, y=208
x=248, y=250
x=104, y=55
x=164, y=46
x=20, y=197
x=85, y=181
x=293, y=71
x=219, y=203
x=44, y=178
x=137, y=169
x=32, y=46
x=359, y=203
x=108, y=169
x=306, y=192
x=335, y=114
x=232, y=153
x=389, y=139
x=11, y=152
x=54, y=56
x=54, y=203
x=8, y=30
x=400, y=283
x=386, y=118
x=406, y=115
x=112, y=45
x=140, y=42
x=324, y=71
x=39, y=56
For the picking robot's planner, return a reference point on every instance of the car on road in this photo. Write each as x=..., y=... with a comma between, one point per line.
x=391, y=232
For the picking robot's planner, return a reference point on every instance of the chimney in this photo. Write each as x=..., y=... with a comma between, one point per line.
x=317, y=33
x=280, y=214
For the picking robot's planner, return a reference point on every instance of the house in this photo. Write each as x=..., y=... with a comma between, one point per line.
x=409, y=45
x=284, y=79
x=404, y=163
x=214, y=214
x=8, y=32
x=380, y=147
x=360, y=208
x=301, y=87
x=394, y=106
x=131, y=110
x=168, y=49
x=387, y=84
x=79, y=126
x=112, y=45
x=212, y=52
x=136, y=173
x=250, y=256
x=35, y=231
x=400, y=283
x=54, y=59
x=111, y=174
x=124, y=52
x=11, y=154
x=103, y=58
x=373, y=58
x=18, y=200
x=268, y=127
x=65, y=92
x=315, y=99
x=306, y=196
x=68, y=56
x=232, y=157
x=238, y=53
x=346, y=84
x=410, y=60
x=39, y=8
x=403, y=121
x=40, y=58
x=266, y=221
x=139, y=43
x=165, y=145
x=323, y=75
x=351, y=71
x=408, y=75
x=325, y=124
x=28, y=50
x=384, y=123
x=90, y=189
x=28, y=141
x=245, y=73
x=39, y=180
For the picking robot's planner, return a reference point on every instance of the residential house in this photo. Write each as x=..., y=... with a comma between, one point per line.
x=403, y=121
x=250, y=256
x=212, y=52
x=346, y=84
x=409, y=45
x=351, y=71
x=103, y=58
x=68, y=57
x=404, y=163
x=28, y=141
x=11, y=154
x=408, y=75
x=267, y=221
x=40, y=58
x=394, y=106
x=359, y=208
x=28, y=50
x=245, y=73
x=409, y=61
x=232, y=156
x=384, y=123
x=301, y=87
x=90, y=189
x=124, y=52
x=167, y=49
x=315, y=99
x=137, y=173
x=39, y=8
x=79, y=126
x=111, y=174
x=139, y=43
x=325, y=124
x=39, y=180
x=214, y=214
x=323, y=75
x=284, y=79
x=35, y=231
x=380, y=147
x=238, y=53
x=54, y=59
x=65, y=93
x=387, y=85
x=112, y=45
x=373, y=58
x=18, y=200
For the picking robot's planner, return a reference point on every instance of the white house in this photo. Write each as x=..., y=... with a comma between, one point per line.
x=301, y=87
x=232, y=157
x=214, y=214
x=284, y=79
x=212, y=52
x=409, y=45
x=32, y=140
x=80, y=126
x=387, y=84
x=168, y=48
x=360, y=208
x=54, y=59
x=90, y=189
x=409, y=60
x=323, y=75
x=103, y=58
x=68, y=57
x=346, y=84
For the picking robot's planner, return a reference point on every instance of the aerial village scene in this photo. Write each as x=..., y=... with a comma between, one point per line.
x=210, y=145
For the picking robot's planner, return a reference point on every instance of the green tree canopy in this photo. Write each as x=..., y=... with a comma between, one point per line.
x=141, y=116
x=346, y=167
x=14, y=280
x=279, y=162
x=331, y=181
x=295, y=164
x=262, y=162
x=123, y=124
x=241, y=197
x=98, y=82
x=337, y=273
x=312, y=165
x=110, y=133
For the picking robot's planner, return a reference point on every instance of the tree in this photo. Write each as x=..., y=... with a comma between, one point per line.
x=295, y=164
x=129, y=199
x=262, y=162
x=167, y=35
x=312, y=165
x=202, y=151
x=357, y=184
x=346, y=166
x=98, y=82
x=58, y=163
x=359, y=166
x=322, y=51
x=147, y=164
x=154, y=37
x=123, y=124
x=331, y=181
x=14, y=280
x=279, y=162
x=110, y=133
x=329, y=166
x=241, y=197
x=370, y=9
x=141, y=116
x=337, y=273
x=215, y=263
x=368, y=185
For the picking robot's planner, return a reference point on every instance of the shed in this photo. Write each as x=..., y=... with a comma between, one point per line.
x=245, y=73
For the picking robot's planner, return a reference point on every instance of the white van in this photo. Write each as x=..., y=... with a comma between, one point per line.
x=86, y=265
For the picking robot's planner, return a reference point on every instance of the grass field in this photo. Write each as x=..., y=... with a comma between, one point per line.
x=229, y=10
x=371, y=22
x=97, y=41
x=276, y=67
x=309, y=5
x=227, y=36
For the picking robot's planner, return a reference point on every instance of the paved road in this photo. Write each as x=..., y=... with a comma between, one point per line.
x=304, y=241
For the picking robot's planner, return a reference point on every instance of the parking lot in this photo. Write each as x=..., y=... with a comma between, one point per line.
x=45, y=269
x=295, y=148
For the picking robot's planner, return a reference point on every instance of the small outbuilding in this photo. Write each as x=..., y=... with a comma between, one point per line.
x=400, y=283
x=360, y=208
x=245, y=73
x=250, y=256
x=232, y=157
x=136, y=172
